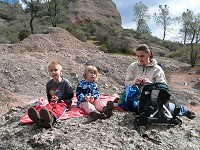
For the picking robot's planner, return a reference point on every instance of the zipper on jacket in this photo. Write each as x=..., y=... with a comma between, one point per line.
x=143, y=68
x=146, y=71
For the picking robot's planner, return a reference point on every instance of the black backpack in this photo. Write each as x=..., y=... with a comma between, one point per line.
x=153, y=105
x=153, y=108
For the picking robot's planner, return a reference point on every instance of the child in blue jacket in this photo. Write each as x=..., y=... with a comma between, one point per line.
x=88, y=94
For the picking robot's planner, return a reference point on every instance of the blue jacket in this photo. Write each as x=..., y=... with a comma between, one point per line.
x=86, y=88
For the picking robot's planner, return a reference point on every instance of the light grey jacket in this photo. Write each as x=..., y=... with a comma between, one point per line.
x=151, y=71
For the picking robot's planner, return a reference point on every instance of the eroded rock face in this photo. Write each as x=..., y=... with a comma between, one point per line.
x=102, y=10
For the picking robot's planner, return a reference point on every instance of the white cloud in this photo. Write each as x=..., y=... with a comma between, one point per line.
x=177, y=7
x=24, y=5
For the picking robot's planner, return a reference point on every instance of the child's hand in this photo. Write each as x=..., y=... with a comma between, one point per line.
x=87, y=98
x=54, y=98
x=91, y=99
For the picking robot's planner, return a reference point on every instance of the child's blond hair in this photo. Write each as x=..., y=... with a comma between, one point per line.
x=55, y=63
x=88, y=69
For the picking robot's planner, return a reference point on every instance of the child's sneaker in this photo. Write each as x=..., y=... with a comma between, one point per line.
x=107, y=110
x=97, y=115
x=47, y=118
x=102, y=116
x=34, y=116
x=190, y=115
x=94, y=115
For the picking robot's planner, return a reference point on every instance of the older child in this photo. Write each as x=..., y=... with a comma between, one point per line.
x=88, y=94
x=59, y=93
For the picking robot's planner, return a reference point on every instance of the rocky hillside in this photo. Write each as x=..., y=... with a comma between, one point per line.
x=102, y=10
x=23, y=73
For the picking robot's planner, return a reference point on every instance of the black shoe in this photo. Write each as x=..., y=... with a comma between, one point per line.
x=94, y=115
x=190, y=115
x=39, y=124
x=47, y=118
x=34, y=116
x=102, y=116
x=107, y=110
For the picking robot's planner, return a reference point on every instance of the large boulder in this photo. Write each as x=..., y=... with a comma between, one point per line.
x=101, y=10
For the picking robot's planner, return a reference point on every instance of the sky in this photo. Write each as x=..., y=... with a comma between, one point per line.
x=176, y=8
x=9, y=1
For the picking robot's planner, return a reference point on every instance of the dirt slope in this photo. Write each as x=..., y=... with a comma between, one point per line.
x=23, y=73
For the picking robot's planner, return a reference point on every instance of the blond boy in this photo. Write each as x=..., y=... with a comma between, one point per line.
x=59, y=93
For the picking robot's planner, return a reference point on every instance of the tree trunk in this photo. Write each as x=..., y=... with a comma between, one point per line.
x=31, y=25
x=164, y=33
x=185, y=34
x=55, y=14
x=191, y=56
x=192, y=59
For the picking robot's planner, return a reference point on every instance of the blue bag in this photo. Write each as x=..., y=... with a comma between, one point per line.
x=129, y=98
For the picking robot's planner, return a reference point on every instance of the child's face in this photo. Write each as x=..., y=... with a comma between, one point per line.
x=55, y=72
x=91, y=76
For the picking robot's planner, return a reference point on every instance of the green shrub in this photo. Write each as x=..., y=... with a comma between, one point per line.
x=146, y=41
x=119, y=45
x=94, y=38
x=10, y=34
x=172, y=46
x=79, y=34
x=126, y=32
x=4, y=40
x=69, y=28
x=90, y=28
x=104, y=48
x=180, y=55
x=7, y=17
x=102, y=35
x=24, y=34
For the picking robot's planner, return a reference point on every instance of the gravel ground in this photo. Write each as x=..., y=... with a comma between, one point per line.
x=23, y=72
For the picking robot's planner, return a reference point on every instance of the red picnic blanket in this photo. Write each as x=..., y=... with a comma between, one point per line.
x=73, y=112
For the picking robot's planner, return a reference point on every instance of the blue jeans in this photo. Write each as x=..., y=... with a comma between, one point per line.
x=183, y=109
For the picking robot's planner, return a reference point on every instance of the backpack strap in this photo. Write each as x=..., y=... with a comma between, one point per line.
x=168, y=113
x=135, y=100
x=141, y=128
x=154, y=96
x=127, y=89
x=141, y=131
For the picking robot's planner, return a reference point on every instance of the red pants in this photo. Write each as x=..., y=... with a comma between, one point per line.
x=57, y=109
